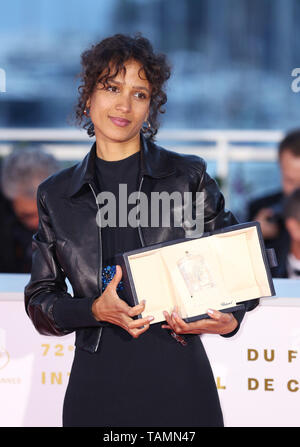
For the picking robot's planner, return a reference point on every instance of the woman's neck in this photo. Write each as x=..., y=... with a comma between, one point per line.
x=116, y=150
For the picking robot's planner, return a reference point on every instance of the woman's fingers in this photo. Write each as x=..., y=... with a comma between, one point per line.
x=138, y=331
x=217, y=315
x=138, y=309
x=139, y=326
x=218, y=323
x=174, y=322
x=117, y=277
x=133, y=324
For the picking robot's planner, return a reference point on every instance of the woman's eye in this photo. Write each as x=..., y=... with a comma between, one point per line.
x=112, y=88
x=115, y=89
x=140, y=95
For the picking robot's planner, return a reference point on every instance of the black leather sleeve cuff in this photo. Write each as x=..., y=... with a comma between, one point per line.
x=238, y=315
x=75, y=313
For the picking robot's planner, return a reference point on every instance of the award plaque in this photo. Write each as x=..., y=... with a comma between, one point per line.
x=218, y=270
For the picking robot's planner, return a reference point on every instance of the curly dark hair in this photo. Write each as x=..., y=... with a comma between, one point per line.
x=291, y=143
x=113, y=52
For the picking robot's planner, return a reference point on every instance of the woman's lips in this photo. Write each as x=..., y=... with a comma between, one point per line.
x=121, y=122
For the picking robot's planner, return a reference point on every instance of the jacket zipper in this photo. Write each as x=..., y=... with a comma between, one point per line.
x=100, y=248
x=100, y=263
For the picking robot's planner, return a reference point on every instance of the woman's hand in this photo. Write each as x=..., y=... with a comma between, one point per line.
x=109, y=307
x=219, y=323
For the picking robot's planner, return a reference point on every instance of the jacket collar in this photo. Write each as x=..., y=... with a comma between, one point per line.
x=154, y=162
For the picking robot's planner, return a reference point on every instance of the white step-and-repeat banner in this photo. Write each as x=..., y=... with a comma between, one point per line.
x=257, y=371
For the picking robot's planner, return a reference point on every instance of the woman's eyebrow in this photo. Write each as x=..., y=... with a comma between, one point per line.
x=137, y=87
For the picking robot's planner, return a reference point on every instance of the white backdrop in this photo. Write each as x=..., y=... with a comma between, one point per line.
x=257, y=371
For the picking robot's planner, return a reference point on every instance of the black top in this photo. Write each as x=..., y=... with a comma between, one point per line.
x=111, y=176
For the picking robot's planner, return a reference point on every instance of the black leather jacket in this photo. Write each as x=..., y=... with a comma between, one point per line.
x=68, y=241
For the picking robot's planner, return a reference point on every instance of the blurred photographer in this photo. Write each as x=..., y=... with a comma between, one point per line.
x=21, y=173
x=289, y=255
x=268, y=210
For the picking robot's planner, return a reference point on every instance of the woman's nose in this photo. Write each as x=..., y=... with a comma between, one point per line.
x=123, y=103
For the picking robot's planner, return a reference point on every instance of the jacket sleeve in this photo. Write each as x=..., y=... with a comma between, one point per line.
x=51, y=308
x=217, y=216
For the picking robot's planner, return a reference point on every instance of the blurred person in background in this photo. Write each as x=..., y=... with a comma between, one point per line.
x=289, y=255
x=268, y=210
x=21, y=173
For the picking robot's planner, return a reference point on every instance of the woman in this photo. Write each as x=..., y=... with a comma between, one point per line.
x=125, y=372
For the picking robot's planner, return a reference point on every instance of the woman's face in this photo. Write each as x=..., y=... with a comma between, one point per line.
x=119, y=109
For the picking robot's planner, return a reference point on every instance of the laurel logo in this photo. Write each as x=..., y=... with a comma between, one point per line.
x=4, y=357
